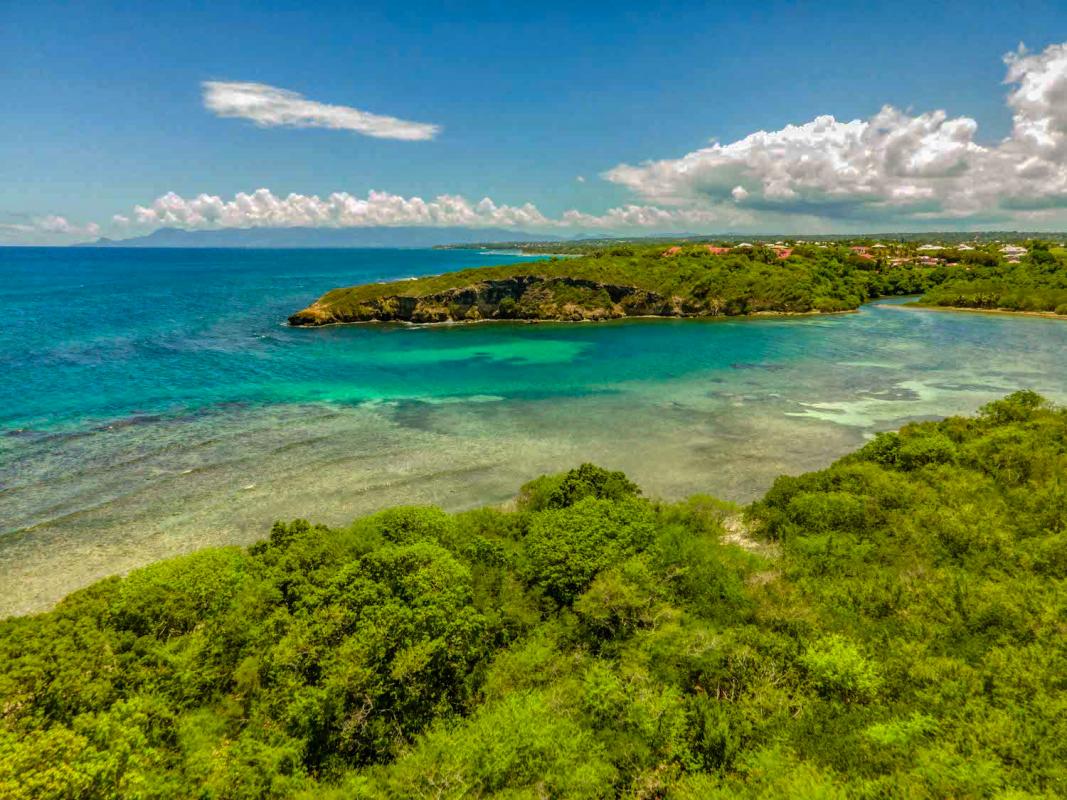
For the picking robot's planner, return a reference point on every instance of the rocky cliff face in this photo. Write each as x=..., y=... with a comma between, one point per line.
x=523, y=297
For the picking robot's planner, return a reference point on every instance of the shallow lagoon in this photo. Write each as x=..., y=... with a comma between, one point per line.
x=154, y=403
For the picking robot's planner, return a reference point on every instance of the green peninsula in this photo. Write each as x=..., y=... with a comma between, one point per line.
x=692, y=280
x=604, y=280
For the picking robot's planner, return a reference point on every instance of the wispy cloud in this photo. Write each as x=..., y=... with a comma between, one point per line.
x=270, y=106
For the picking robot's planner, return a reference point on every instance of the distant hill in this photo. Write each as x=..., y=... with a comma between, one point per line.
x=318, y=237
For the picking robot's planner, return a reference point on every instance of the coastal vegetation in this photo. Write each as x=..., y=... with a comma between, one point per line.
x=902, y=239
x=892, y=625
x=1036, y=283
x=625, y=280
x=609, y=280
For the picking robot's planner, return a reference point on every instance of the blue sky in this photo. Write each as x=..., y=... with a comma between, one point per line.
x=104, y=110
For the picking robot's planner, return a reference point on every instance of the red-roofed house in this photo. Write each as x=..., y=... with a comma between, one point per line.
x=672, y=251
x=717, y=251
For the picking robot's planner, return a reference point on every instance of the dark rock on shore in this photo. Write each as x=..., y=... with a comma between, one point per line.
x=522, y=297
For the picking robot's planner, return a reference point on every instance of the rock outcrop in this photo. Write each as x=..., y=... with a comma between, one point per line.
x=522, y=297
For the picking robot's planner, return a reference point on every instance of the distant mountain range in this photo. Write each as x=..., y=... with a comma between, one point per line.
x=320, y=237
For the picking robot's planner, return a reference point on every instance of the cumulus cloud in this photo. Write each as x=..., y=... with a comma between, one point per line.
x=651, y=217
x=270, y=106
x=1039, y=101
x=920, y=169
x=49, y=229
x=894, y=165
x=56, y=224
x=262, y=208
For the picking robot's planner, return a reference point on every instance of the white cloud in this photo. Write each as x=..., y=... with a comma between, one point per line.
x=649, y=217
x=262, y=208
x=270, y=106
x=892, y=166
x=56, y=224
x=49, y=229
x=1039, y=101
x=920, y=170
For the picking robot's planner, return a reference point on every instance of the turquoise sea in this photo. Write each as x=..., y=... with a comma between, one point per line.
x=153, y=401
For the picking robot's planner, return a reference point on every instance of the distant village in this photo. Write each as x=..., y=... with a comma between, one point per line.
x=883, y=254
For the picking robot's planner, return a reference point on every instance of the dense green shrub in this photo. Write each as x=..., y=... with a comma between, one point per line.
x=566, y=547
x=838, y=670
x=1039, y=283
x=561, y=491
x=891, y=626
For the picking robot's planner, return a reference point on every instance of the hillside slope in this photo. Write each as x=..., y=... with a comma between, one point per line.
x=890, y=626
x=625, y=281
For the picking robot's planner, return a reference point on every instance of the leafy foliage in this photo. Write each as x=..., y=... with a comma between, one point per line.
x=633, y=280
x=563, y=491
x=898, y=630
x=1037, y=283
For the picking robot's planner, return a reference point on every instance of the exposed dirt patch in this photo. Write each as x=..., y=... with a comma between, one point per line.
x=739, y=533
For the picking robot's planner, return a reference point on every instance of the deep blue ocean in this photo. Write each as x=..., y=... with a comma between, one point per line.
x=153, y=401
